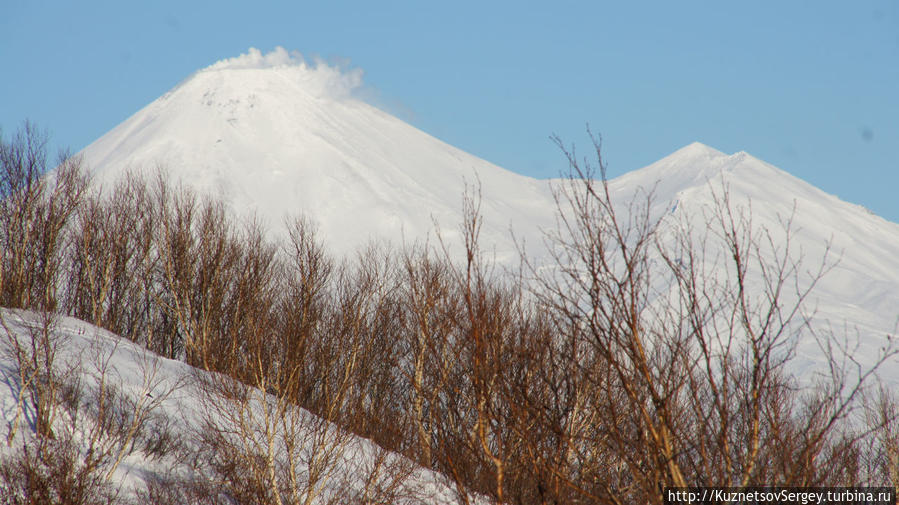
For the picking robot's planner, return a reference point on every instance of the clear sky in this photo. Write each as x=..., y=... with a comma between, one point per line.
x=810, y=86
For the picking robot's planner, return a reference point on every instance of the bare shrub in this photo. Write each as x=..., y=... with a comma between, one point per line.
x=81, y=424
x=427, y=295
x=110, y=277
x=255, y=447
x=303, y=310
x=34, y=211
x=879, y=451
x=52, y=472
x=33, y=357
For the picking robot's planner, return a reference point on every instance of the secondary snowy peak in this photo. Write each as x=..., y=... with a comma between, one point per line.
x=696, y=173
x=861, y=291
x=690, y=179
x=695, y=153
x=696, y=166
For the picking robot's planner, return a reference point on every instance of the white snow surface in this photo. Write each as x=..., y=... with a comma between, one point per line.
x=273, y=135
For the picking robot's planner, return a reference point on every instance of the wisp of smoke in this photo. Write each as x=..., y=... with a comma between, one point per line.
x=318, y=78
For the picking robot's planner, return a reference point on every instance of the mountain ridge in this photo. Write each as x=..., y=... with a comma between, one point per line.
x=272, y=138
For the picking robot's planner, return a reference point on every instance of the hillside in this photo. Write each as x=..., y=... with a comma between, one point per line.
x=158, y=410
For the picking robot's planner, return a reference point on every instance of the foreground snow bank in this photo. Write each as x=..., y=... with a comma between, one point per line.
x=152, y=429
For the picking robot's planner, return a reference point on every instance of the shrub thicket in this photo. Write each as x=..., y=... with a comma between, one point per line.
x=586, y=384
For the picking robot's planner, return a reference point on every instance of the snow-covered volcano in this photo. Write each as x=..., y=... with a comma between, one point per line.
x=274, y=136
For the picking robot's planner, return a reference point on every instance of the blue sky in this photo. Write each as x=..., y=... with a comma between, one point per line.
x=812, y=87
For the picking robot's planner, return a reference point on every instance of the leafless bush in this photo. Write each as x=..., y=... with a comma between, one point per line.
x=258, y=447
x=34, y=211
x=53, y=472
x=303, y=310
x=81, y=425
x=427, y=295
x=879, y=450
x=114, y=422
x=110, y=281
x=32, y=346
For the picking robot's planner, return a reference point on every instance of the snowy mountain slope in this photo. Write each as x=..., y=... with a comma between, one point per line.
x=276, y=138
x=273, y=135
x=864, y=244
x=858, y=295
x=85, y=350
